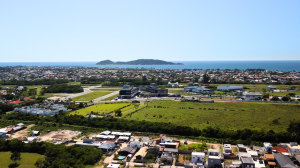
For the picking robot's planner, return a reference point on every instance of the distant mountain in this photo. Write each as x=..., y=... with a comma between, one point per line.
x=138, y=62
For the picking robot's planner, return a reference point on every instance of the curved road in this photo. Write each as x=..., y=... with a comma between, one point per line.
x=85, y=91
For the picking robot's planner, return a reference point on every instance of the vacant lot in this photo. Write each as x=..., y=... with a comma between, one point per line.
x=223, y=115
x=27, y=159
x=258, y=87
x=90, y=96
x=100, y=108
x=59, y=135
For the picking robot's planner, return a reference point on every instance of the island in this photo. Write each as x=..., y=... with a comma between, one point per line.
x=138, y=62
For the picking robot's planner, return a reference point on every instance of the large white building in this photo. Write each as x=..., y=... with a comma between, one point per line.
x=251, y=96
x=198, y=157
x=42, y=110
x=229, y=88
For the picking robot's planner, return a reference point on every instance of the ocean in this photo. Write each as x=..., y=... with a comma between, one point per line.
x=268, y=65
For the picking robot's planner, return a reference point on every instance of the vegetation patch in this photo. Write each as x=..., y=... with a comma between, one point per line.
x=90, y=96
x=63, y=88
x=231, y=116
x=100, y=108
x=27, y=160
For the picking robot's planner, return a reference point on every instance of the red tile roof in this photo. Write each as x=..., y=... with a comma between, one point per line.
x=16, y=102
x=8, y=129
x=281, y=149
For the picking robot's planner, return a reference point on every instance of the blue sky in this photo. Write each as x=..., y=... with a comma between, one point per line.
x=94, y=30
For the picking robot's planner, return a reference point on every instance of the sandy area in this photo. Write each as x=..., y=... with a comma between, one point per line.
x=59, y=135
x=22, y=133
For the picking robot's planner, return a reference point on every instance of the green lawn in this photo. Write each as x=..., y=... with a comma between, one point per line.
x=27, y=159
x=90, y=96
x=105, y=89
x=110, y=97
x=100, y=108
x=223, y=115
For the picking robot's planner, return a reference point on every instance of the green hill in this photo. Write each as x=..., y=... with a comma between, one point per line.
x=138, y=62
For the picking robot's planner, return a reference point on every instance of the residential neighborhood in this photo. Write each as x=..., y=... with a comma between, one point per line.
x=124, y=149
x=172, y=77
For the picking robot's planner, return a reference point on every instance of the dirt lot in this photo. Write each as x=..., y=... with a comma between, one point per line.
x=59, y=135
x=22, y=133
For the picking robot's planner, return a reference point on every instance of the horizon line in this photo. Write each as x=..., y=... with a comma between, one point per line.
x=154, y=59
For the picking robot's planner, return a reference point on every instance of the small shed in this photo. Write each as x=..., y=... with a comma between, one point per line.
x=35, y=133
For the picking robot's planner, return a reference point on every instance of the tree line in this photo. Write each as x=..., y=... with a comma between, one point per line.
x=35, y=82
x=62, y=88
x=55, y=155
x=233, y=136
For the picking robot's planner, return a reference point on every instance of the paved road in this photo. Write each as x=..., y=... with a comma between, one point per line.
x=85, y=91
x=105, y=96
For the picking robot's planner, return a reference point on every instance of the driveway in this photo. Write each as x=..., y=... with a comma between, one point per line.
x=22, y=133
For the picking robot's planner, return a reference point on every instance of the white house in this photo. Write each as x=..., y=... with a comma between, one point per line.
x=113, y=166
x=198, y=157
x=271, y=88
x=293, y=148
x=137, y=144
x=268, y=147
x=227, y=150
x=251, y=96
x=214, y=158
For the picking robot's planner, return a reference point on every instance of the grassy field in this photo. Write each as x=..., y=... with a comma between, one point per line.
x=27, y=159
x=110, y=97
x=47, y=95
x=105, y=89
x=223, y=115
x=100, y=108
x=90, y=96
x=258, y=87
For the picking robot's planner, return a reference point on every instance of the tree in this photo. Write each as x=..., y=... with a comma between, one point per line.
x=294, y=128
x=118, y=112
x=144, y=78
x=206, y=78
x=291, y=94
x=285, y=98
x=288, y=83
x=15, y=156
x=264, y=90
x=39, y=163
x=32, y=92
x=275, y=98
x=266, y=96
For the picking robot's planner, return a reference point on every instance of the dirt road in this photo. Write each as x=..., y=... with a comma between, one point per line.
x=22, y=133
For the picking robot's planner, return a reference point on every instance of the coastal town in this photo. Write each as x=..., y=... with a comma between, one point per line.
x=223, y=76
x=124, y=149
x=150, y=84
x=51, y=102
